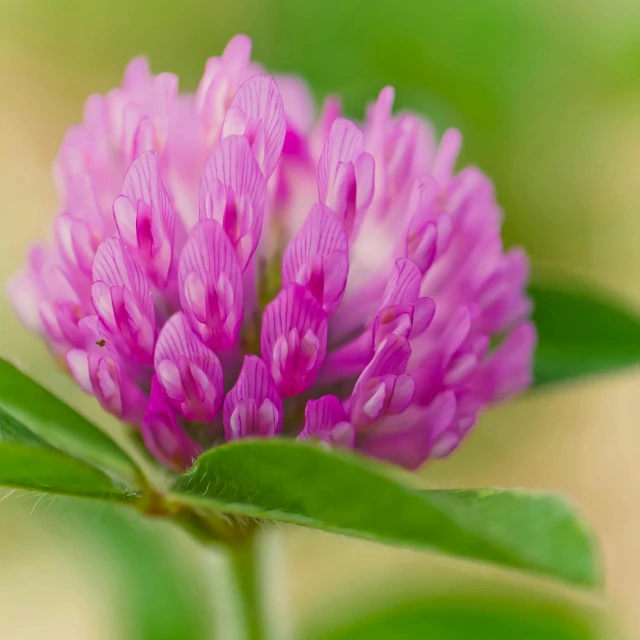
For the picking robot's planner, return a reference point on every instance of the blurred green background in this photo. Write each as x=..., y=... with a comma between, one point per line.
x=547, y=95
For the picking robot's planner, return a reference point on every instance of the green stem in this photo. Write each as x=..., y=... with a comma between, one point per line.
x=246, y=566
x=247, y=574
x=248, y=592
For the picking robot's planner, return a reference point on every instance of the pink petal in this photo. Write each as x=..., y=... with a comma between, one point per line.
x=377, y=125
x=322, y=414
x=114, y=265
x=460, y=369
x=440, y=413
x=139, y=111
x=136, y=73
x=503, y=297
x=422, y=233
x=364, y=171
x=383, y=388
x=451, y=359
x=457, y=331
x=390, y=358
x=317, y=258
x=106, y=383
x=379, y=118
x=92, y=334
x=253, y=406
x=346, y=174
x=142, y=182
x=331, y=109
x=122, y=297
x=411, y=151
x=508, y=370
x=402, y=312
x=102, y=376
x=76, y=241
x=145, y=217
x=237, y=53
x=404, y=284
x=81, y=201
x=343, y=435
x=401, y=396
x=23, y=293
x=393, y=320
x=348, y=360
x=402, y=147
x=60, y=319
x=326, y=420
x=423, y=314
x=188, y=371
x=257, y=112
x=298, y=103
x=445, y=445
x=222, y=77
x=78, y=363
x=233, y=192
x=210, y=284
x=28, y=289
x=57, y=283
x=125, y=214
x=404, y=446
x=164, y=437
x=446, y=156
x=451, y=432
x=60, y=307
x=343, y=144
x=408, y=440
x=294, y=339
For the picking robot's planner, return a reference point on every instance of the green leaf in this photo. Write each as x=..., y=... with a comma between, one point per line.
x=467, y=617
x=23, y=466
x=581, y=332
x=539, y=527
x=306, y=484
x=13, y=431
x=29, y=461
x=30, y=413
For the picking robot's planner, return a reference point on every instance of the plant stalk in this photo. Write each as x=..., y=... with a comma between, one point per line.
x=246, y=574
x=249, y=588
x=247, y=567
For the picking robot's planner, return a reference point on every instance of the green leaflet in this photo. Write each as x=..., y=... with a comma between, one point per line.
x=306, y=484
x=581, y=332
x=23, y=466
x=467, y=616
x=29, y=412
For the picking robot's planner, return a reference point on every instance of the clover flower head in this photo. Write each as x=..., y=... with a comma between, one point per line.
x=225, y=266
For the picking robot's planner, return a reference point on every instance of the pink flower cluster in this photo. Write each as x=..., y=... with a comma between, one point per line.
x=224, y=266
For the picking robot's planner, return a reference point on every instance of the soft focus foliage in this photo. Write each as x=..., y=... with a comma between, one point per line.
x=470, y=613
x=582, y=331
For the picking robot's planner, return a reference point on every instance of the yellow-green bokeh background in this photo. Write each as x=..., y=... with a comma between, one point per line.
x=547, y=93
